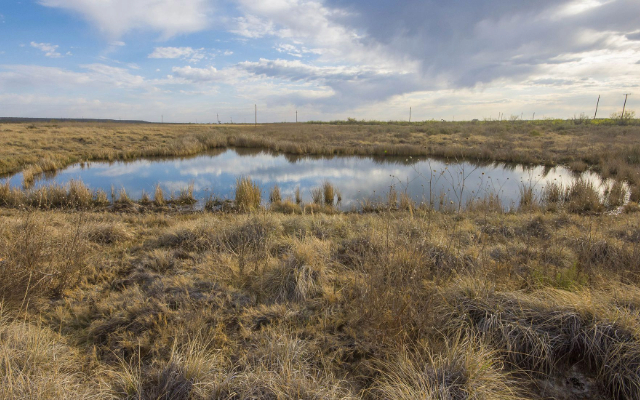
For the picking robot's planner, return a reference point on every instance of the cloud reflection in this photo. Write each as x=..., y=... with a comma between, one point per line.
x=357, y=178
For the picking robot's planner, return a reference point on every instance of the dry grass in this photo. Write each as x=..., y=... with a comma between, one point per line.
x=399, y=304
x=248, y=194
x=604, y=147
x=36, y=363
x=144, y=301
x=274, y=195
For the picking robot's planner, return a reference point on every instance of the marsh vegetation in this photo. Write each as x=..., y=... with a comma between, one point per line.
x=105, y=296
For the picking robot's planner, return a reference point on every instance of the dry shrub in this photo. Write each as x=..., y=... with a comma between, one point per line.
x=248, y=194
x=75, y=195
x=38, y=259
x=489, y=203
x=465, y=369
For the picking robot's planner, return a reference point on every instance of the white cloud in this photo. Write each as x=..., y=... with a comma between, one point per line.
x=253, y=27
x=295, y=51
x=187, y=53
x=48, y=49
x=117, y=17
x=227, y=52
x=21, y=76
x=190, y=74
x=117, y=43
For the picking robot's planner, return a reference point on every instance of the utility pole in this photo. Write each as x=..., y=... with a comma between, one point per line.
x=625, y=104
x=296, y=116
x=597, y=104
x=534, y=116
x=409, y=114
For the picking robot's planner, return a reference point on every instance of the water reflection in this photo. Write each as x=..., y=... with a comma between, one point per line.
x=357, y=178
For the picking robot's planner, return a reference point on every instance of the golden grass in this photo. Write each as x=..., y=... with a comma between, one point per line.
x=302, y=301
x=248, y=194
x=398, y=304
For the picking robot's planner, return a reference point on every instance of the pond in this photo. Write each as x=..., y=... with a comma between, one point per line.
x=358, y=179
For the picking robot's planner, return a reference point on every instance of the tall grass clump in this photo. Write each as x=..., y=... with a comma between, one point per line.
x=274, y=195
x=79, y=195
x=528, y=199
x=316, y=195
x=466, y=369
x=553, y=194
x=329, y=193
x=583, y=197
x=158, y=197
x=186, y=196
x=123, y=198
x=615, y=194
x=298, y=196
x=248, y=195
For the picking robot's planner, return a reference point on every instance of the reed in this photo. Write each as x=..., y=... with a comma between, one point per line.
x=298, y=196
x=274, y=195
x=329, y=193
x=248, y=194
x=185, y=197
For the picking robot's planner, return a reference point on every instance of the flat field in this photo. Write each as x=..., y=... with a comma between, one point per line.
x=305, y=302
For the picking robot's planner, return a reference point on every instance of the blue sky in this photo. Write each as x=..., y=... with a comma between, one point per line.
x=188, y=60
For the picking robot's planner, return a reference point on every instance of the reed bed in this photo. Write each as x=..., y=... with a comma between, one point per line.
x=580, y=197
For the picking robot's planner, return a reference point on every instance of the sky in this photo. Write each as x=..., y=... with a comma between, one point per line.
x=209, y=60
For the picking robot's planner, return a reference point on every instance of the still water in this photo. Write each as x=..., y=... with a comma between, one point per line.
x=357, y=178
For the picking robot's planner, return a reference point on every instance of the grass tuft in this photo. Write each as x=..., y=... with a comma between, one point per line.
x=248, y=194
